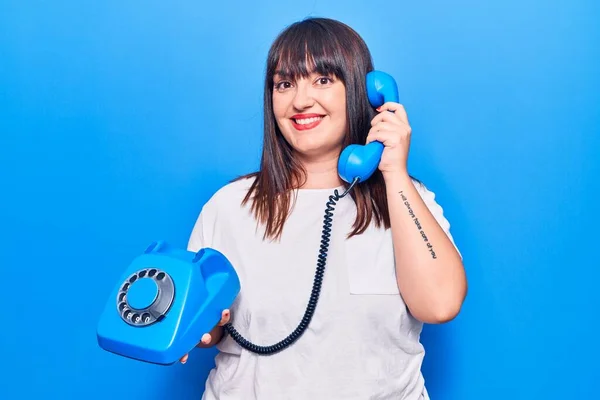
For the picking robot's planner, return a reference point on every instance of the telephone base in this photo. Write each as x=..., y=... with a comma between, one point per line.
x=165, y=301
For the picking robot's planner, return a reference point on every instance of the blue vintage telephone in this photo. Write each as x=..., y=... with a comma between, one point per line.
x=168, y=298
x=165, y=301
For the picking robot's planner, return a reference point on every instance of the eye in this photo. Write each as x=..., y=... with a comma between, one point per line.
x=324, y=80
x=282, y=85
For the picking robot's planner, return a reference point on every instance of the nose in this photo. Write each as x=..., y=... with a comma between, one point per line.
x=303, y=98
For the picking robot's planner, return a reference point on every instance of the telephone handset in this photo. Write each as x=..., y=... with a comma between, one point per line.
x=360, y=161
x=168, y=298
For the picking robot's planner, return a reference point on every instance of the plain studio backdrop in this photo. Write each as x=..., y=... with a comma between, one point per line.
x=118, y=120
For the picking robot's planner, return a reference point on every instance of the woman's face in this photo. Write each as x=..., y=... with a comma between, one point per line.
x=311, y=114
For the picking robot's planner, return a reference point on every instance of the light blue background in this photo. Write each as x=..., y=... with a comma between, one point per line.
x=119, y=119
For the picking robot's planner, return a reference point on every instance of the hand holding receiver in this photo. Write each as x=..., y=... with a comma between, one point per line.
x=391, y=127
x=360, y=161
x=213, y=337
x=165, y=301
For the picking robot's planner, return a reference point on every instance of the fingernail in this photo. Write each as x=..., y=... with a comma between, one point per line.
x=379, y=108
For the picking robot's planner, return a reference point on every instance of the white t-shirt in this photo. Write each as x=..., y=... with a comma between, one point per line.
x=361, y=343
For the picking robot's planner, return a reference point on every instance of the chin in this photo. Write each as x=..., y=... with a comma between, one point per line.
x=311, y=143
x=320, y=151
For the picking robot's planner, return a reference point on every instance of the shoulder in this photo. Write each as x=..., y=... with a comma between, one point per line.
x=434, y=206
x=420, y=186
x=229, y=195
x=224, y=204
x=426, y=193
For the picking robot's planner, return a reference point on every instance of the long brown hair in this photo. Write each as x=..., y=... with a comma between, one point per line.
x=324, y=46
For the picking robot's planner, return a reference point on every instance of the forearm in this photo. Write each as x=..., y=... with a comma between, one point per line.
x=429, y=270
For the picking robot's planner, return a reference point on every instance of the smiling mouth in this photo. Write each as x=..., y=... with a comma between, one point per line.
x=306, y=123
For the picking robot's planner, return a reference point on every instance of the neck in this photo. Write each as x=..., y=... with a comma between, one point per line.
x=322, y=174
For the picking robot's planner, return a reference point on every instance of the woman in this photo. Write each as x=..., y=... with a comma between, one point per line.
x=391, y=262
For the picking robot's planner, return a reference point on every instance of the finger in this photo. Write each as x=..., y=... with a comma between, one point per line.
x=225, y=317
x=387, y=138
x=396, y=108
x=184, y=359
x=387, y=117
x=206, y=338
x=387, y=126
x=400, y=128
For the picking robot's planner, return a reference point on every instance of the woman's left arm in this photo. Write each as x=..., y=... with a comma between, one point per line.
x=429, y=270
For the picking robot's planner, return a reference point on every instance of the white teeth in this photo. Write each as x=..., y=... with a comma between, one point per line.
x=307, y=120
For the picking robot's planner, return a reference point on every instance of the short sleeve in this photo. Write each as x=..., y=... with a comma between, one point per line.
x=203, y=229
x=196, y=240
x=436, y=210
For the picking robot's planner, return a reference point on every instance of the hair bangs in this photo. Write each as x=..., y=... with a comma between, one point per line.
x=304, y=51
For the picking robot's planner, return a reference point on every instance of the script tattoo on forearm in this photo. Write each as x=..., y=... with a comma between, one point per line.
x=418, y=225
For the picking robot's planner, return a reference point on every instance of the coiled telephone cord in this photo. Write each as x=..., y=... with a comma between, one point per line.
x=316, y=289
